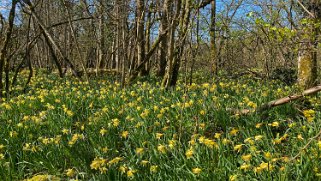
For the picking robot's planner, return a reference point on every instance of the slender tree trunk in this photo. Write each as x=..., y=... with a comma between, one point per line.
x=113, y=54
x=124, y=42
x=213, y=38
x=196, y=48
x=147, y=37
x=163, y=47
x=171, y=43
x=131, y=55
x=181, y=44
x=73, y=33
x=118, y=39
x=101, y=37
x=140, y=35
x=29, y=67
x=4, y=47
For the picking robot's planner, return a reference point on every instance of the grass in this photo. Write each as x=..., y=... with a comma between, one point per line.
x=63, y=129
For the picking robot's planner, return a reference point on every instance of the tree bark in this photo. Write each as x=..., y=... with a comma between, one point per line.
x=140, y=35
x=4, y=47
x=163, y=47
x=307, y=58
x=171, y=43
x=213, y=38
x=149, y=24
x=123, y=20
x=181, y=44
x=101, y=38
x=182, y=18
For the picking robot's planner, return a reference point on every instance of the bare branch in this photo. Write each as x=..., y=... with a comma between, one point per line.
x=73, y=20
x=204, y=3
x=305, y=9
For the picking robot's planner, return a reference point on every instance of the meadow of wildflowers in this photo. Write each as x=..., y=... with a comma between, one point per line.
x=64, y=129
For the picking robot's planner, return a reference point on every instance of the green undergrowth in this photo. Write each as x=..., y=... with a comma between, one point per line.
x=64, y=129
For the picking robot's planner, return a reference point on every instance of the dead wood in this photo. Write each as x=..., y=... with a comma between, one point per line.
x=277, y=102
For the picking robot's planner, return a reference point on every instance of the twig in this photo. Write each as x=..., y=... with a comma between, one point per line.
x=305, y=9
x=305, y=146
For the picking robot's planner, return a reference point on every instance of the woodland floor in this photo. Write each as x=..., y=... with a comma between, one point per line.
x=64, y=129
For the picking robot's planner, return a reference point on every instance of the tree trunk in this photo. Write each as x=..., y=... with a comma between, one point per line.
x=181, y=44
x=213, y=38
x=118, y=38
x=163, y=47
x=5, y=44
x=171, y=42
x=307, y=59
x=123, y=20
x=140, y=35
x=184, y=9
x=101, y=38
x=148, y=35
x=73, y=34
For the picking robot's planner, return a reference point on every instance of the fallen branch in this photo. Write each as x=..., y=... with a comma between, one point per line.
x=277, y=102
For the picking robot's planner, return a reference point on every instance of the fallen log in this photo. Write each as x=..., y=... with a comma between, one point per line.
x=277, y=102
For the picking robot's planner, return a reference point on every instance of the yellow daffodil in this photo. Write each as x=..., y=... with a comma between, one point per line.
x=196, y=171
x=189, y=153
x=161, y=148
x=258, y=137
x=233, y=178
x=246, y=157
x=234, y=131
x=238, y=147
x=139, y=151
x=130, y=173
x=70, y=172
x=258, y=125
x=245, y=167
x=124, y=134
x=153, y=168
